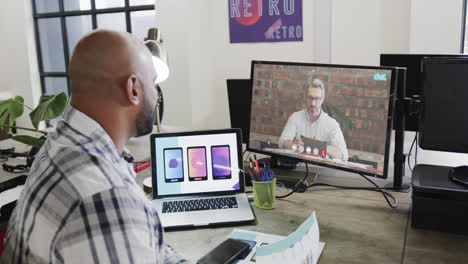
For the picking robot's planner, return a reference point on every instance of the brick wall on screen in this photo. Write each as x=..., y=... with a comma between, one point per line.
x=279, y=91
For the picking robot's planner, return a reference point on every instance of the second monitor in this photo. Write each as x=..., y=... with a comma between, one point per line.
x=240, y=98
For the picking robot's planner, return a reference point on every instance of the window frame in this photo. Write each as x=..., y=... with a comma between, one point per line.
x=62, y=15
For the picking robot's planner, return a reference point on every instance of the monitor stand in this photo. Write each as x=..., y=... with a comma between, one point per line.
x=403, y=187
x=459, y=175
x=403, y=106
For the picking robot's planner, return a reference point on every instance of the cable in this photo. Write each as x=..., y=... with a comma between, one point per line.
x=384, y=193
x=14, y=168
x=286, y=195
x=307, y=172
x=353, y=188
x=406, y=236
x=411, y=149
x=300, y=187
x=416, y=153
x=377, y=189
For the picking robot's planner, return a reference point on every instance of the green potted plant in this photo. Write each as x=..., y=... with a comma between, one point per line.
x=345, y=122
x=50, y=107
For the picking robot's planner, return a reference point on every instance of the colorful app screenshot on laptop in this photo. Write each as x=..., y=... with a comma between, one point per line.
x=196, y=164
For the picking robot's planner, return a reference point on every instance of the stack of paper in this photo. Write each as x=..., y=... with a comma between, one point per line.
x=302, y=246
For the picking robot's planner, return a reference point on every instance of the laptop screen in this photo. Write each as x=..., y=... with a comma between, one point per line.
x=196, y=162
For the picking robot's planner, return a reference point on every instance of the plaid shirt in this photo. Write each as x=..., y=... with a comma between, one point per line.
x=81, y=204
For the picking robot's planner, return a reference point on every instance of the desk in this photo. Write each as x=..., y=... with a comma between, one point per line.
x=350, y=227
x=357, y=226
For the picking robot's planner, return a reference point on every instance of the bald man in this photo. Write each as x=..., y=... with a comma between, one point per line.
x=81, y=203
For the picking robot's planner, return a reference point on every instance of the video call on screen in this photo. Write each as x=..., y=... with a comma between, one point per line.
x=351, y=128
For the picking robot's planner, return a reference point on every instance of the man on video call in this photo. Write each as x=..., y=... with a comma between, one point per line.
x=314, y=123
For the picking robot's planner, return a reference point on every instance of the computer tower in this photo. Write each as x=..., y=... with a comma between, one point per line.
x=438, y=203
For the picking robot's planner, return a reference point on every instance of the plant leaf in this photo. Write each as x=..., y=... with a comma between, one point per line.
x=50, y=106
x=11, y=109
x=345, y=123
x=29, y=140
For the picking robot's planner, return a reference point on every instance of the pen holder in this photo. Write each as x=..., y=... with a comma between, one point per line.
x=264, y=194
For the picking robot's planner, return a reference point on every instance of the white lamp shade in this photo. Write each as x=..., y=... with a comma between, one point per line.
x=162, y=70
x=154, y=44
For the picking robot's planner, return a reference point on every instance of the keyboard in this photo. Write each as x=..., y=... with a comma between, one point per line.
x=199, y=204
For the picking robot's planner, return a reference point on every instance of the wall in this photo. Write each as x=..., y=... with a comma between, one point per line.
x=19, y=73
x=201, y=57
x=179, y=42
x=435, y=26
x=363, y=29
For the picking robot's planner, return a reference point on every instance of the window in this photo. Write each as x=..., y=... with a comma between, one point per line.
x=59, y=24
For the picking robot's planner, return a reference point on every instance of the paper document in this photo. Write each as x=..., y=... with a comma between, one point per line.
x=303, y=246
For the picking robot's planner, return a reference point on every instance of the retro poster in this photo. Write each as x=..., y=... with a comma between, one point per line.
x=265, y=20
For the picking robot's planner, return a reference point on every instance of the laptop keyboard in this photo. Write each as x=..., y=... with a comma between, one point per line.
x=199, y=204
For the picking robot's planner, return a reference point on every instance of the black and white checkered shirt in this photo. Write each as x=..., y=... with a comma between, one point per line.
x=81, y=204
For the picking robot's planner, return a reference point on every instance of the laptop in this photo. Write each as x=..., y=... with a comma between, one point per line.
x=197, y=178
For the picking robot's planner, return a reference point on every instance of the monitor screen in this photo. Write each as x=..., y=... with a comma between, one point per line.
x=240, y=99
x=444, y=122
x=332, y=115
x=413, y=64
x=197, y=162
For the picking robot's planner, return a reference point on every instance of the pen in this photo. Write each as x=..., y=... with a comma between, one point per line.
x=255, y=175
x=139, y=166
x=257, y=169
x=251, y=175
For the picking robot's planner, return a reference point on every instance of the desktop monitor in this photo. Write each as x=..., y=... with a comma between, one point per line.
x=240, y=97
x=444, y=120
x=413, y=64
x=337, y=116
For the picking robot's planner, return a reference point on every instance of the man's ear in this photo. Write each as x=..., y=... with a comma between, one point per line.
x=132, y=90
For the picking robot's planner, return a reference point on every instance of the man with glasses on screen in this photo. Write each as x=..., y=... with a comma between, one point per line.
x=314, y=123
x=81, y=203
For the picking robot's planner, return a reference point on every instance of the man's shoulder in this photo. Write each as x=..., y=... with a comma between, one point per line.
x=329, y=120
x=119, y=198
x=84, y=166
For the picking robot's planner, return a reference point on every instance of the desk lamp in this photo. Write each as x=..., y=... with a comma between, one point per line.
x=154, y=43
